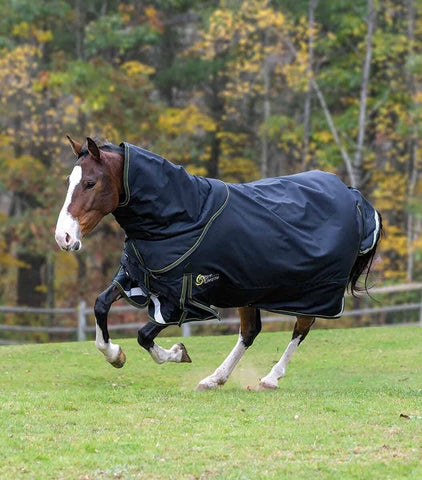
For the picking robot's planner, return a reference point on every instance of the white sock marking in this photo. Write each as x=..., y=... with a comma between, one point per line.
x=161, y=355
x=109, y=350
x=223, y=372
x=279, y=369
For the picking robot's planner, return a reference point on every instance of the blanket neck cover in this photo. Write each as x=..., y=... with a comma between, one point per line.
x=284, y=244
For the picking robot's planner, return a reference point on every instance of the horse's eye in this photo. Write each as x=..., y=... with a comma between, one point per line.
x=89, y=185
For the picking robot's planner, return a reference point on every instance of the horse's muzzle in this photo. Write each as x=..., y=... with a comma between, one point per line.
x=66, y=242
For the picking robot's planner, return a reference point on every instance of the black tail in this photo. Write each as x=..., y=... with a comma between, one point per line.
x=363, y=264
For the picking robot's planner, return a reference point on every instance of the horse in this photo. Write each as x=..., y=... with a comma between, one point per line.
x=292, y=244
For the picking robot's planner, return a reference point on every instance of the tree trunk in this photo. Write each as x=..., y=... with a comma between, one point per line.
x=358, y=167
x=329, y=118
x=216, y=106
x=266, y=112
x=308, y=96
x=212, y=167
x=413, y=148
x=82, y=275
x=30, y=280
x=80, y=30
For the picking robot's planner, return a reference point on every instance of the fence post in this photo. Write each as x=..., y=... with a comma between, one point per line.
x=186, y=332
x=81, y=321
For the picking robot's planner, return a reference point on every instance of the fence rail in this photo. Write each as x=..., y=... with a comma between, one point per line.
x=82, y=313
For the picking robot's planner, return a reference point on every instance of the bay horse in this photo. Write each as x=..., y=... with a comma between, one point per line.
x=289, y=244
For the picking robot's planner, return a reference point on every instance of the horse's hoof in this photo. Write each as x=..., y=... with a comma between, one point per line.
x=203, y=387
x=120, y=360
x=210, y=383
x=185, y=356
x=265, y=385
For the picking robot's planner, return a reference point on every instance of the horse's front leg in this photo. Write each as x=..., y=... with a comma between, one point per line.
x=112, y=352
x=177, y=353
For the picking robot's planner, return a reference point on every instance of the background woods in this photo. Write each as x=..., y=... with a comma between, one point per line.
x=230, y=89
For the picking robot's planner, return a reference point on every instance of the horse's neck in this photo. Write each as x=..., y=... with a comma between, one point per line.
x=115, y=163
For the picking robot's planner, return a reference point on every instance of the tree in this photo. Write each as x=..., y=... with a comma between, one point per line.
x=31, y=142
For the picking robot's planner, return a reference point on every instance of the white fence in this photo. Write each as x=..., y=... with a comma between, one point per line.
x=82, y=313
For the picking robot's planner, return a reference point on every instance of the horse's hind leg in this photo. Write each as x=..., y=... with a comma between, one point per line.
x=250, y=326
x=302, y=326
x=146, y=335
x=112, y=352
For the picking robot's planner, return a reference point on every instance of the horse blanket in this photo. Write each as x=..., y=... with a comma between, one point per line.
x=284, y=244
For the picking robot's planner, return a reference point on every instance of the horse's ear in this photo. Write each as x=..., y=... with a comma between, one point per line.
x=93, y=149
x=76, y=147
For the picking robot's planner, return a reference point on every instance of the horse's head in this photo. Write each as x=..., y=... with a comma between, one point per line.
x=94, y=187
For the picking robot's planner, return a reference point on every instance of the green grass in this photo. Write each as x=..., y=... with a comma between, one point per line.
x=67, y=414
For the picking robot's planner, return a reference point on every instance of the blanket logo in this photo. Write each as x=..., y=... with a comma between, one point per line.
x=205, y=279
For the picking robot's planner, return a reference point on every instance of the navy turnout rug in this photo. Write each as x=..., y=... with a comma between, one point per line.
x=284, y=244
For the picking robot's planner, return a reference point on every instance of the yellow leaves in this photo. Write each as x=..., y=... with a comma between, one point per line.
x=28, y=31
x=195, y=170
x=396, y=240
x=111, y=132
x=232, y=142
x=185, y=121
x=391, y=115
x=17, y=70
x=238, y=169
x=5, y=140
x=394, y=250
x=243, y=30
x=184, y=137
x=359, y=30
x=295, y=73
x=391, y=197
x=7, y=259
x=417, y=244
x=98, y=103
x=136, y=69
x=126, y=12
x=71, y=110
x=43, y=36
x=252, y=40
x=21, y=173
x=234, y=166
x=153, y=17
x=323, y=136
x=221, y=23
x=66, y=270
x=391, y=192
x=418, y=97
x=269, y=18
x=21, y=29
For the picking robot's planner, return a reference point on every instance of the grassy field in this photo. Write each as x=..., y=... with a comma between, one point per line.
x=349, y=407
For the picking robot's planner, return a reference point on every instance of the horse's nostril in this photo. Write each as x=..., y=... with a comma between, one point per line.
x=67, y=238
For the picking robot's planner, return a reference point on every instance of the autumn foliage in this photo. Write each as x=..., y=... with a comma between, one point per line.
x=233, y=89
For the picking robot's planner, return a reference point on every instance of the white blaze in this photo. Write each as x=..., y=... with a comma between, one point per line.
x=67, y=229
